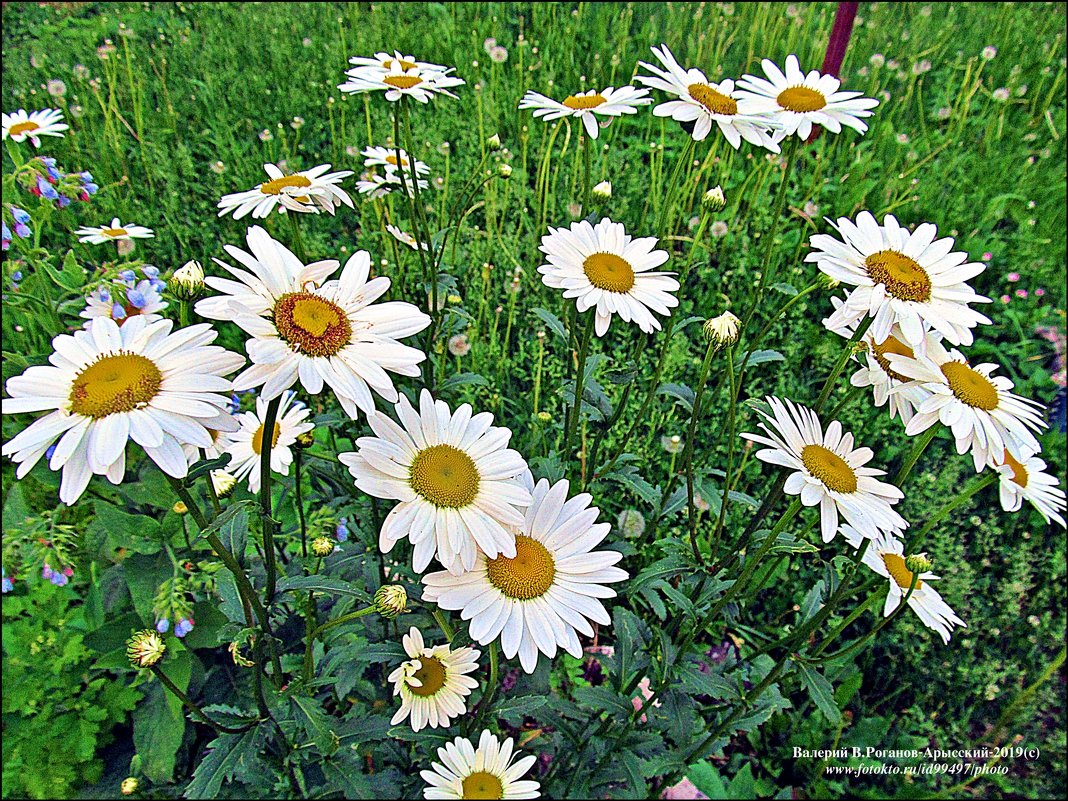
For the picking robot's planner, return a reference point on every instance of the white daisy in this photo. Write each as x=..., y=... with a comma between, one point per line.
x=829, y=471
x=885, y=555
x=539, y=599
x=588, y=106
x=109, y=384
x=406, y=238
x=387, y=157
x=116, y=232
x=700, y=103
x=375, y=185
x=401, y=80
x=120, y=303
x=912, y=279
x=1026, y=479
x=485, y=772
x=798, y=101
x=309, y=191
x=384, y=62
x=603, y=267
x=455, y=478
x=304, y=329
x=246, y=444
x=220, y=443
x=984, y=415
x=433, y=683
x=20, y=126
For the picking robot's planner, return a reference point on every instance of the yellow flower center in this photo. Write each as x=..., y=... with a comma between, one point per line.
x=276, y=186
x=402, y=81
x=482, y=785
x=891, y=345
x=801, y=99
x=903, y=277
x=895, y=566
x=392, y=159
x=715, y=102
x=117, y=383
x=257, y=438
x=445, y=476
x=432, y=674
x=529, y=575
x=404, y=64
x=114, y=232
x=579, y=102
x=311, y=325
x=23, y=127
x=609, y=272
x=1019, y=472
x=970, y=387
x=830, y=468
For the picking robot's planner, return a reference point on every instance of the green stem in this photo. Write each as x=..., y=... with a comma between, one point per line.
x=491, y=687
x=691, y=435
x=731, y=410
x=919, y=445
x=580, y=377
x=266, y=443
x=839, y=365
x=188, y=703
x=337, y=621
x=298, y=242
x=298, y=498
x=977, y=484
x=443, y=624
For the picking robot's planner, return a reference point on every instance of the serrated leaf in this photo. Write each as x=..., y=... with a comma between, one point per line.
x=327, y=584
x=226, y=756
x=315, y=723
x=821, y=691
x=460, y=379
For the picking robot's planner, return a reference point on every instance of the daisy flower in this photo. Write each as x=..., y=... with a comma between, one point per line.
x=387, y=157
x=377, y=186
x=433, y=683
x=798, y=101
x=1026, y=479
x=400, y=80
x=485, y=772
x=309, y=191
x=701, y=103
x=120, y=303
x=21, y=126
x=116, y=232
x=885, y=555
x=539, y=599
x=220, y=443
x=985, y=417
x=108, y=384
x=588, y=106
x=910, y=279
x=828, y=470
x=246, y=444
x=455, y=478
x=384, y=62
x=603, y=267
x=317, y=333
x=405, y=238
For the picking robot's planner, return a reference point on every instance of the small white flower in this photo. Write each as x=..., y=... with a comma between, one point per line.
x=116, y=232
x=20, y=126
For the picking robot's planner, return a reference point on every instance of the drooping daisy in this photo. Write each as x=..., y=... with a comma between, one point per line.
x=602, y=267
x=798, y=101
x=433, y=683
x=246, y=444
x=910, y=279
x=20, y=125
x=405, y=238
x=829, y=471
x=375, y=185
x=309, y=191
x=317, y=333
x=702, y=103
x=886, y=556
x=387, y=157
x=540, y=599
x=1026, y=479
x=109, y=384
x=384, y=62
x=454, y=475
x=116, y=232
x=400, y=80
x=485, y=772
x=588, y=106
x=985, y=417
x=120, y=303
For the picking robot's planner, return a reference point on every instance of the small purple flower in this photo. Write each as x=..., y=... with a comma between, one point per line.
x=163, y=625
x=118, y=312
x=50, y=451
x=183, y=627
x=16, y=276
x=128, y=276
x=342, y=530
x=150, y=271
x=22, y=231
x=63, y=201
x=6, y=584
x=20, y=215
x=509, y=680
x=45, y=189
x=6, y=237
x=136, y=298
x=46, y=571
x=235, y=403
x=59, y=578
x=158, y=285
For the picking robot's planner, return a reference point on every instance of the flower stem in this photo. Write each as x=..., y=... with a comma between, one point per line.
x=491, y=687
x=977, y=484
x=918, y=447
x=266, y=443
x=691, y=435
x=580, y=378
x=298, y=242
x=730, y=452
x=337, y=621
x=443, y=624
x=839, y=366
x=189, y=704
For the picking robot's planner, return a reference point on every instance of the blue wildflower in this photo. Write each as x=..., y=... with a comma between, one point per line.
x=20, y=215
x=118, y=312
x=129, y=276
x=163, y=625
x=6, y=584
x=136, y=298
x=45, y=189
x=183, y=627
x=150, y=271
x=6, y=237
x=342, y=530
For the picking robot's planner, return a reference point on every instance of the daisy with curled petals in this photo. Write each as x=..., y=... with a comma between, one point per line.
x=246, y=444
x=405, y=238
x=798, y=101
x=318, y=333
x=116, y=232
x=454, y=475
x=20, y=126
x=483, y=772
x=540, y=599
x=400, y=80
x=309, y=191
x=911, y=279
x=828, y=470
x=702, y=104
x=602, y=267
x=985, y=417
x=433, y=683
x=1026, y=479
x=386, y=157
x=385, y=62
x=886, y=556
x=108, y=384
x=588, y=106
x=375, y=186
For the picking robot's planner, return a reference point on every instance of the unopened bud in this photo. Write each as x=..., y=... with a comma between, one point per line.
x=391, y=600
x=494, y=141
x=305, y=440
x=505, y=170
x=180, y=508
x=187, y=281
x=722, y=330
x=544, y=417
x=603, y=190
x=827, y=282
x=322, y=546
x=223, y=482
x=714, y=199
x=918, y=563
x=129, y=785
x=145, y=648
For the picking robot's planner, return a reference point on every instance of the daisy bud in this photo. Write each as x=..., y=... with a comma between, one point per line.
x=544, y=417
x=391, y=600
x=494, y=141
x=722, y=330
x=714, y=199
x=305, y=440
x=129, y=785
x=240, y=659
x=322, y=546
x=180, y=508
x=827, y=282
x=145, y=648
x=505, y=170
x=918, y=563
x=223, y=482
x=603, y=190
x=189, y=280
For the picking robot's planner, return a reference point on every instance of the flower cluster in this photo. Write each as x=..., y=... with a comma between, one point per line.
x=41, y=177
x=133, y=292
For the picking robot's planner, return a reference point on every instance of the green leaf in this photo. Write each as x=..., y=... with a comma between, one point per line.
x=707, y=779
x=553, y=322
x=234, y=532
x=760, y=357
x=681, y=393
x=460, y=379
x=159, y=722
x=331, y=586
x=227, y=754
x=315, y=723
x=821, y=691
x=513, y=709
x=603, y=699
x=227, y=518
